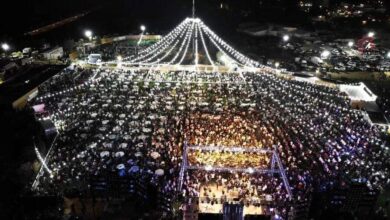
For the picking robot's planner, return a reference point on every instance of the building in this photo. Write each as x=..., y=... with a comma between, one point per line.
x=53, y=54
x=360, y=94
x=94, y=58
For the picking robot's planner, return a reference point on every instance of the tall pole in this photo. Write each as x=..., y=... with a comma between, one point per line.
x=193, y=17
x=193, y=8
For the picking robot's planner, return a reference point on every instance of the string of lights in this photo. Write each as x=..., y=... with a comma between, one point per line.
x=237, y=55
x=157, y=53
x=157, y=50
x=68, y=90
x=205, y=46
x=43, y=161
x=162, y=40
x=163, y=43
x=217, y=46
x=173, y=47
x=168, y=52
x=188, y=42
x=187, y=38
x=192, y=28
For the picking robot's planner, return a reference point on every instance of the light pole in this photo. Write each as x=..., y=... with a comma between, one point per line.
x=119, y=59
x=286, y=38
x=142, y=28
x=88, y=34
x=5, y=47
x=325, y=54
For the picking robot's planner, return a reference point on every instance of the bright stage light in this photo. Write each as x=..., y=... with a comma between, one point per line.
x=143, y=28
x=371, y=34
x=350, y=43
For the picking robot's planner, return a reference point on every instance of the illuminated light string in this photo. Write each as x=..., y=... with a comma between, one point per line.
x=188, y=43
x=160, y=42
x=164, y=42
x=157, y=50
x=183, y=44
x=43, y=162
x=237, y=55
x=150, y=55
x=194, y=21
x=60, y=124
x=58, y=121
x=187, y=38
x=233, y=52
x=220, y=49
x=167, y=53
x=205, y=46
x=171, y=49
x=65, y=91
x=214, y=40
x=156, y=53
x=176, y=40
x=156, y=47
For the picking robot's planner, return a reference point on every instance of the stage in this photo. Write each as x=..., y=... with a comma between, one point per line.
x=231, y=195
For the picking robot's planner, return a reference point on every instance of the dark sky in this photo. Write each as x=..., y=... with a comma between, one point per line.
x=121, y=16
x=125, y=16
x=21, y=15
x=109, y=16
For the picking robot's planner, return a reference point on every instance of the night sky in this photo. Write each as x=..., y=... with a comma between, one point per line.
x=121, y=16
x=118, y=17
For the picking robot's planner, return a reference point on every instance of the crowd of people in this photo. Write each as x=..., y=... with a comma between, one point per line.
x=112, y=50
x=250, y=189
x=229, y=127
x=228, y=159
x=134, y=122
